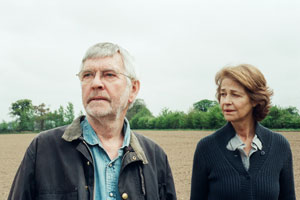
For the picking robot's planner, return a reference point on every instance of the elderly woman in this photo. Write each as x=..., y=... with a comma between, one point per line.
x=243, y=160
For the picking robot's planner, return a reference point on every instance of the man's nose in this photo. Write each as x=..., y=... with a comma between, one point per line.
x=97, y=81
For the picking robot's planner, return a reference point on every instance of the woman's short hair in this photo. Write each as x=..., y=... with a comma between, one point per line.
x=254, y=83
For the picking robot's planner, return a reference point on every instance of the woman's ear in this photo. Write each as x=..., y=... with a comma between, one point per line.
x=254, y=104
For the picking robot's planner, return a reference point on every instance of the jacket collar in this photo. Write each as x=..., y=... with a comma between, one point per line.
x=74, y=132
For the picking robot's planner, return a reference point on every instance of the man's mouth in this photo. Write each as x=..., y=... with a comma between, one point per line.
x=97, y=98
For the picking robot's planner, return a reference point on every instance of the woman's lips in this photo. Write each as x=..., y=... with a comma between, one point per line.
x=228, y=111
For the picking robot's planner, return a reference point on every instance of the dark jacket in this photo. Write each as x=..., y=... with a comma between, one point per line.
x=220, y=174
x=58, y=165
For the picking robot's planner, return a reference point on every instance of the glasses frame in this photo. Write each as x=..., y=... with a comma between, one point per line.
x=101, y=74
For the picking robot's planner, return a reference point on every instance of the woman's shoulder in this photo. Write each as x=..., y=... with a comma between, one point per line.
x=207, y=141
x=221, y=135
x=278, y=139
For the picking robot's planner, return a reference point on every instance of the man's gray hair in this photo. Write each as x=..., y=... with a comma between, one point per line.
x=105, y=49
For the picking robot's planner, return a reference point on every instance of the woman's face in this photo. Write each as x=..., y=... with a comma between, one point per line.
x=235, y=102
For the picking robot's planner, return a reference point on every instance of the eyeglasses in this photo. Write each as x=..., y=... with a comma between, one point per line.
x=87, y=76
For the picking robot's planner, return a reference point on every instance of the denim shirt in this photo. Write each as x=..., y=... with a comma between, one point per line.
x=237, y=143
x=107, y=171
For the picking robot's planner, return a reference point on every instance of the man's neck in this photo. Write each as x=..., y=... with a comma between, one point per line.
x=107, y=128
x=109, y=132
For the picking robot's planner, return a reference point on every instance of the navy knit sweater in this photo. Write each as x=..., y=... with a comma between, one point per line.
x=219, y=174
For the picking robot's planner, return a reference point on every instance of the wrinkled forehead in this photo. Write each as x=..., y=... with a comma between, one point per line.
x=229, y=84
x=114, y=62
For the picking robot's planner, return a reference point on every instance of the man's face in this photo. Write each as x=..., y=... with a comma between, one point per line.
x=106, y=93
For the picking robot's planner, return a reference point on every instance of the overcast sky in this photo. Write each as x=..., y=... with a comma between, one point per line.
x=178, y=45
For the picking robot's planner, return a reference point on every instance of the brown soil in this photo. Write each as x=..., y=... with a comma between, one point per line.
x=179, y=145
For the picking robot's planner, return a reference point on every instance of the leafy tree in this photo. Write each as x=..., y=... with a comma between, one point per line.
x=204, y=105
x=69, y=114
x=272, y=118
x=41, y=115
x=171, y=120
x=24, y=111
x=136, y=107
x=215, y=118
x=140, y=119
x=161, y=122
x=176, y=120
x=293, y=111
x=282, y=118
x=4, y=127
x=199, y=119
x=58, y=117
x=205, y=114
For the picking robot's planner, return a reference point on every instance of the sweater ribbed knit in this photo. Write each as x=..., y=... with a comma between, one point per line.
x=219, y=174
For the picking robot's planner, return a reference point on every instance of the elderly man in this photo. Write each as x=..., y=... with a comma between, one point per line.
x=97, y=156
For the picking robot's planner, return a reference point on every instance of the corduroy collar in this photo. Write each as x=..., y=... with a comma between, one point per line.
x=74, y=132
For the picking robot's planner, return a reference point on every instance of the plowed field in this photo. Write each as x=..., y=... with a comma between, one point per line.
x=179, y=145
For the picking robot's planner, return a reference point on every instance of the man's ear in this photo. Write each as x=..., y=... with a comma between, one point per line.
x=134, y=90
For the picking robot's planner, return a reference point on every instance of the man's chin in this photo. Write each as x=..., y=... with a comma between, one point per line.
x=98, y=112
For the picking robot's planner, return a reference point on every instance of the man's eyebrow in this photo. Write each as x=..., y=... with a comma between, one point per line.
x=106, y=70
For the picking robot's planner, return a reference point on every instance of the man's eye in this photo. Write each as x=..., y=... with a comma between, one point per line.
x=223, y=94
x=87, y=75
x=109, y=74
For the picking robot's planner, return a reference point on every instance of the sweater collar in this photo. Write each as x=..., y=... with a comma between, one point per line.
x=227, y=132
x=224, y=135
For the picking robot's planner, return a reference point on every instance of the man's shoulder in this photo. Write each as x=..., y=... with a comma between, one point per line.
x=148, y=144
x=145, y=139
x=50, y=137
x=52, y=133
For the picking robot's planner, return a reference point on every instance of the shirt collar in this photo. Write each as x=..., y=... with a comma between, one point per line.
x=91, y=137
x=236, y=142
x=257, y=142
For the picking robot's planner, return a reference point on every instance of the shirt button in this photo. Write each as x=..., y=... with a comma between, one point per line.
x=133, y=158
x=88, y=163
x=111, y=194
x=124, y=195
x=86, y=187
x=110, y=165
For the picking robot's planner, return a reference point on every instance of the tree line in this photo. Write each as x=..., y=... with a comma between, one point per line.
x=29, y=117
x=204, y=114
